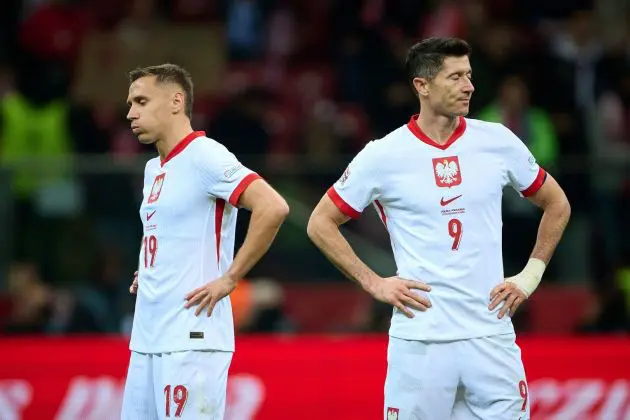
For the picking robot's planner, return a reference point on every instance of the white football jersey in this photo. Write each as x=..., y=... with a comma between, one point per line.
x=189, y=216
x=442, y=207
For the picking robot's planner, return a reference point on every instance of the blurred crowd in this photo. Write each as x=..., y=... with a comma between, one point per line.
x=294, y=88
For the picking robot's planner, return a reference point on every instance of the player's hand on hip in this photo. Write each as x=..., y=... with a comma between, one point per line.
x=133, y=289
x=399, y=293
x=510, y=294
x=205, y=297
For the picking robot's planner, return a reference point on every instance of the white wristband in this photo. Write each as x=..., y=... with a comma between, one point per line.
x=528, y=279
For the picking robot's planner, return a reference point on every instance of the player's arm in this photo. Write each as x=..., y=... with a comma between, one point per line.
x=224, y=177
x=556, y=213
x=323, y=229
x=268, y=210
x=544, y=192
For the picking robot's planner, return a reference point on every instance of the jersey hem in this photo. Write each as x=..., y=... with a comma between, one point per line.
x=412, y=337
x=178, y=349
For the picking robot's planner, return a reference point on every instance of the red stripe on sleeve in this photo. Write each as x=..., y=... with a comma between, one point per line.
x=242, y=186
x=341, y=204
x=538, y=182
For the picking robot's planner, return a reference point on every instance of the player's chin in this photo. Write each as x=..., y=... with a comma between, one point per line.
x=145, y=138
x=462, y=109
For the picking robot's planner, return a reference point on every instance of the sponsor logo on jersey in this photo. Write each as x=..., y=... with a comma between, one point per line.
x=532, y=164
x=229, y=172
x=345, y=176
x=448, y=201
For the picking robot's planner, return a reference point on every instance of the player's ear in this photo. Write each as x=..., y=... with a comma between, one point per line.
x=178, y=103
x=421, y=85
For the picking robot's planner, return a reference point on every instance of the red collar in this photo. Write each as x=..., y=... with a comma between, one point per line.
x=179, y=147
x=457, y=133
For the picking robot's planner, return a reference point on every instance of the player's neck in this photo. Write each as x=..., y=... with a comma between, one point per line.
x=172, y=137
x=439, y=128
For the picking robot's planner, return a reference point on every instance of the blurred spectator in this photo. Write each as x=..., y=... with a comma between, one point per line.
x=571, y=76
x=257, y=306
x=240, y=125
x=497, y=53
x=135, y=28
x=7, y=80
x=611, y=311
x=531, y=124
x=36, y=140
x=451, y=18
x=37, y=308
x=246, y=22
x=9, y=24
x=189, y=11
x=390, y=101
x=610, y=145
x=535, y=128
x=352, y=57
x=106, y=293
x=54, y=31
x=576, y=55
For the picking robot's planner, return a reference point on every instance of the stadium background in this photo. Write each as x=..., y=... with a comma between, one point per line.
x=295, y=88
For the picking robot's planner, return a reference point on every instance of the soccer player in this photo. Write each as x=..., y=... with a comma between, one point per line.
x=182, y=339
x=436, y=183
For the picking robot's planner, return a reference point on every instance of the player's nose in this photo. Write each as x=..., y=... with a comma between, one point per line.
x=468, y=87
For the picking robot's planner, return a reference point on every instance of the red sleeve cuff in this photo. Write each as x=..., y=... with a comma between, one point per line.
x=538, y=182
x=341, y=204
x=242, y=186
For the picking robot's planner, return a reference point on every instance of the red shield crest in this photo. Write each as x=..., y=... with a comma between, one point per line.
x=392, y=413
x=447, y=171
x=156, y=189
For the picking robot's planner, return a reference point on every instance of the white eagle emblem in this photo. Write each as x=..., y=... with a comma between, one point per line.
x=157, y=188
x=158, y=184
x=447, y=171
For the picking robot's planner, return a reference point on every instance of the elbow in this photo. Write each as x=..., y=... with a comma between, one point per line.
x=566, y=209
x=564, y=206
x=319, y=227
x=311, y=228
x=280, y=210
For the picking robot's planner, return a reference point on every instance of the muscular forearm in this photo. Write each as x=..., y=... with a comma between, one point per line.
x=327, y=237
x=554, y=221
x=263, y=227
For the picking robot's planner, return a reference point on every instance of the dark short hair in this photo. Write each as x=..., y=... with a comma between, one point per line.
x=168, y=73
x=425, y=58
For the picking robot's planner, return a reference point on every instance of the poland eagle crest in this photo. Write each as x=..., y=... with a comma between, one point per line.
x=447, y=171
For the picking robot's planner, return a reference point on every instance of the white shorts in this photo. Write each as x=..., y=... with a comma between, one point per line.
x=480, y=378
x=182, y=385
